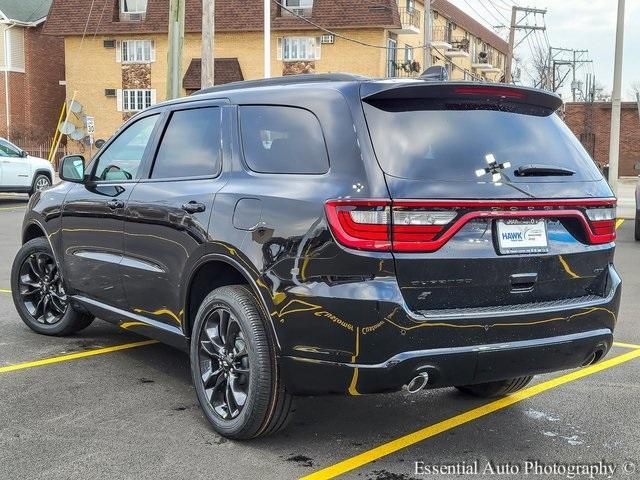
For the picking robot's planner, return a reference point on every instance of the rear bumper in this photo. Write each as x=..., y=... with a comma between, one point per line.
x=507, y=345
x=451, y=366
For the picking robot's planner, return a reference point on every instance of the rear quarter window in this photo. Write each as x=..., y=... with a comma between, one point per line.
x=286, y=140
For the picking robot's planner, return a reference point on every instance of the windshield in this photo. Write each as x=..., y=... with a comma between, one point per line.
x=457, y=145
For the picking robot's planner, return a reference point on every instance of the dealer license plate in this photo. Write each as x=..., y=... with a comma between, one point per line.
x=522, y=236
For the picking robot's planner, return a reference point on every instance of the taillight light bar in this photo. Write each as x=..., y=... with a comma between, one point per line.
x=426, y=226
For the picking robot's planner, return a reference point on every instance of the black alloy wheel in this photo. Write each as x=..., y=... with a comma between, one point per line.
x=41, y=289
x=234, y=366
x=224, y=363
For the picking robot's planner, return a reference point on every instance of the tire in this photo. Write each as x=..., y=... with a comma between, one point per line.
x=28, y=291
x=40, y=182
x=233, y=360
x=637, y=233
x=496, y=389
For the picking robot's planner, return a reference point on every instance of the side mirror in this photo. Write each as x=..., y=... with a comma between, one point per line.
x=24, y=154
x=99, y=143
x=72, y=168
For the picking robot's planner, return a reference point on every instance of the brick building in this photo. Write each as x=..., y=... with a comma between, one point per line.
x=591, y=123
x=126, y=46
x=31, y=66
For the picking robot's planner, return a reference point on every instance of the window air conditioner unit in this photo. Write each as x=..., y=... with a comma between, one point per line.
x=109, y=44
x=132, y=17
x=327, y=38
x=298, y=11
x=109, y=92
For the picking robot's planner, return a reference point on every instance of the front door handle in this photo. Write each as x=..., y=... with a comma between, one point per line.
x=115, y=204
x=194, y=207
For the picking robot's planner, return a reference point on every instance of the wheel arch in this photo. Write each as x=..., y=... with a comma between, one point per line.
x=42, y=171
x=227, y=272
x=33, y=230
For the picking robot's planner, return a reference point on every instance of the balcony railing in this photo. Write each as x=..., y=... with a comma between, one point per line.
x=460, y=43
x=409, y=18
x=441, y=35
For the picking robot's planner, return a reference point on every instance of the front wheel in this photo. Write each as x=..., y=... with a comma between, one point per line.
x=39, y=294
x=234, y=368
x=40, y=183
x=496, y=389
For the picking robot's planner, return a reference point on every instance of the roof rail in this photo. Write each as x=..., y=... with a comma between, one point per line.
x=286, y=80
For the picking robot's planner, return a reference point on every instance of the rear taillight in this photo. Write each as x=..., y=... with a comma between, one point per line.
x=602, y=221
x=425, y=226
x=363, y=225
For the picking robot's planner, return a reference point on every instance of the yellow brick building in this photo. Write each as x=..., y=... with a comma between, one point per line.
x=116, y=54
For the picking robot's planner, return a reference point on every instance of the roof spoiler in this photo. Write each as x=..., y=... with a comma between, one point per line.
x=487, y=94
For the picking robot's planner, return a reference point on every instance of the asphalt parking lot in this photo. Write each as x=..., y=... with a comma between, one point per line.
x=132, y=413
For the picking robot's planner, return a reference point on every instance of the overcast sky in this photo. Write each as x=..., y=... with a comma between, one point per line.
x=576, y=24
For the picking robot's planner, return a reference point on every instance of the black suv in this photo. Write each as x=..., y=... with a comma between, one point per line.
x=334, y=234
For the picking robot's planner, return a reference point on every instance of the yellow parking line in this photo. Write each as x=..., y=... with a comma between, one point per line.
x=74, y=356
x=625, y=345
x=619, y=222
x=4, y=209
x=4, y=290
x=437, y=428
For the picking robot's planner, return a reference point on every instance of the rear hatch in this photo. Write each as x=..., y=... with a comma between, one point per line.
x=494, y=202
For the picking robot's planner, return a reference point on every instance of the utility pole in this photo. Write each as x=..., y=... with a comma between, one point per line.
x=428, y=32
x=516, y=24
x=614, y=142
x=175, y=40
x=267, y=38
x=207, y=78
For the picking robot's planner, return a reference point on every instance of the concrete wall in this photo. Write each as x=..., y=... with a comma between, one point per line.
x=591, y=123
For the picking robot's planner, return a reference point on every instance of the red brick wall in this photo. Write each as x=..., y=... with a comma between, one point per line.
x=17, y=107
x=36, y=95
x=591, y=123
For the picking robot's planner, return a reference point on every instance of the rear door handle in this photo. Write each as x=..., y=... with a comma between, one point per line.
x=115, y=204
x=194, y=207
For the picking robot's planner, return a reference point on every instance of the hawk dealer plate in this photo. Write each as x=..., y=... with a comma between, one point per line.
x=522, y=236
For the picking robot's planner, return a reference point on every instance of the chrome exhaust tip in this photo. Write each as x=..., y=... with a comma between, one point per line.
x=417, y=383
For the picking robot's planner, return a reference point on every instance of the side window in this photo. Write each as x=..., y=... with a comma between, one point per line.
x=121, y=159
x=8, y=150
x=282, y=140
x=190, y=146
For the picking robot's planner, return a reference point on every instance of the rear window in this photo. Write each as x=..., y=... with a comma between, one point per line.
x=452, y=145
x=282, y=140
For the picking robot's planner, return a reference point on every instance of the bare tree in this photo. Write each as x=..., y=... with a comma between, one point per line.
x=539, y=63
x=634, y=90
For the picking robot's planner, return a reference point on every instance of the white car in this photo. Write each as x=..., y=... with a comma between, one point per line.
x=22, y=173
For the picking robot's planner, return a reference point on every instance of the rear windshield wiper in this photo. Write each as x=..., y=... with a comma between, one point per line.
x=538, y=170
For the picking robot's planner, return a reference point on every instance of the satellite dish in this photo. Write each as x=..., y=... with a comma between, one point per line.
x=77, y=134
x=67, y=128
x=75, y=106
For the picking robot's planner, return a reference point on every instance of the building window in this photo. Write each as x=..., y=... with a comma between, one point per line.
x=410, y=5
x=133, y=6
x=138, y=99
x=138, y=51
x=299, y=48
x=12, y=43
x=408, y=53
x=392, y=51
x=298, y=3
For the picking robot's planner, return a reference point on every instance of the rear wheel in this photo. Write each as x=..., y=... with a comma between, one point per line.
x=234, y=368
x=496, y=389
x=39, y=294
